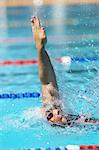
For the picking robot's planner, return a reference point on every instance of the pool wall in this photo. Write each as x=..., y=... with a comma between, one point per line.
x=46, y=2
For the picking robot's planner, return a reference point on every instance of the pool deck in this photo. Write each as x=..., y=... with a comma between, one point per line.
x=46, y=2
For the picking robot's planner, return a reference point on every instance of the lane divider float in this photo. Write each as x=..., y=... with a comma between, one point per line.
x=90, y=147
x=18, y=62
x=63, y=60
x=68, y=147
x=19, y=95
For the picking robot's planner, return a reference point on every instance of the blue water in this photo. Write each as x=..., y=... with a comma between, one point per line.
x=72, y=31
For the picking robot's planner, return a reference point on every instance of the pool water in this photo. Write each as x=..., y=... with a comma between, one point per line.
x=72, y=31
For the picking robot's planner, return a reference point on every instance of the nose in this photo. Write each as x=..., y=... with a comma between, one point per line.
x=58, y=118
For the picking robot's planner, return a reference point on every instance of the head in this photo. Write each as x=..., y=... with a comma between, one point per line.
x=55, y=116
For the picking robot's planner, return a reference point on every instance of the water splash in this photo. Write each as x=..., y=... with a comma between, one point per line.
x=81, y=98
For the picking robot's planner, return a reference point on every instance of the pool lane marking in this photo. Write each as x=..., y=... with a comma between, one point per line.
x=35, y=61
x=30, y=39
x=31, y=73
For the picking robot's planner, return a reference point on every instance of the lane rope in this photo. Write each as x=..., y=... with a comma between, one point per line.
x=68, y=147
x=19, y=95
x=64, y=59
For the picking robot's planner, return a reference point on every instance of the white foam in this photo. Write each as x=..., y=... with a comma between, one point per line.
x=33, y=113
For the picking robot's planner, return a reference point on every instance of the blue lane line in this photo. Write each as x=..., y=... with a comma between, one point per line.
x=82, y=59
x=19, y=95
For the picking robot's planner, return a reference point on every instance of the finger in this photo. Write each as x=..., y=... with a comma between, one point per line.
x=33, y=19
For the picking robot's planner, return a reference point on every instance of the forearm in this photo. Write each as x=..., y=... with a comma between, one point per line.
x=46, y=71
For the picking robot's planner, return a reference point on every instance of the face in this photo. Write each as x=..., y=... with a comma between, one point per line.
x=56, y=117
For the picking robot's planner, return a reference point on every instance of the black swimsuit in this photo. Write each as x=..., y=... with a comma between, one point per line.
x=70, y=118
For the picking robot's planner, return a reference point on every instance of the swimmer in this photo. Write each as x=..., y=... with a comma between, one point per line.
x=50, y=93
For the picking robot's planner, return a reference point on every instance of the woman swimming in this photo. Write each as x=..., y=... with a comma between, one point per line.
x=50, y=93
